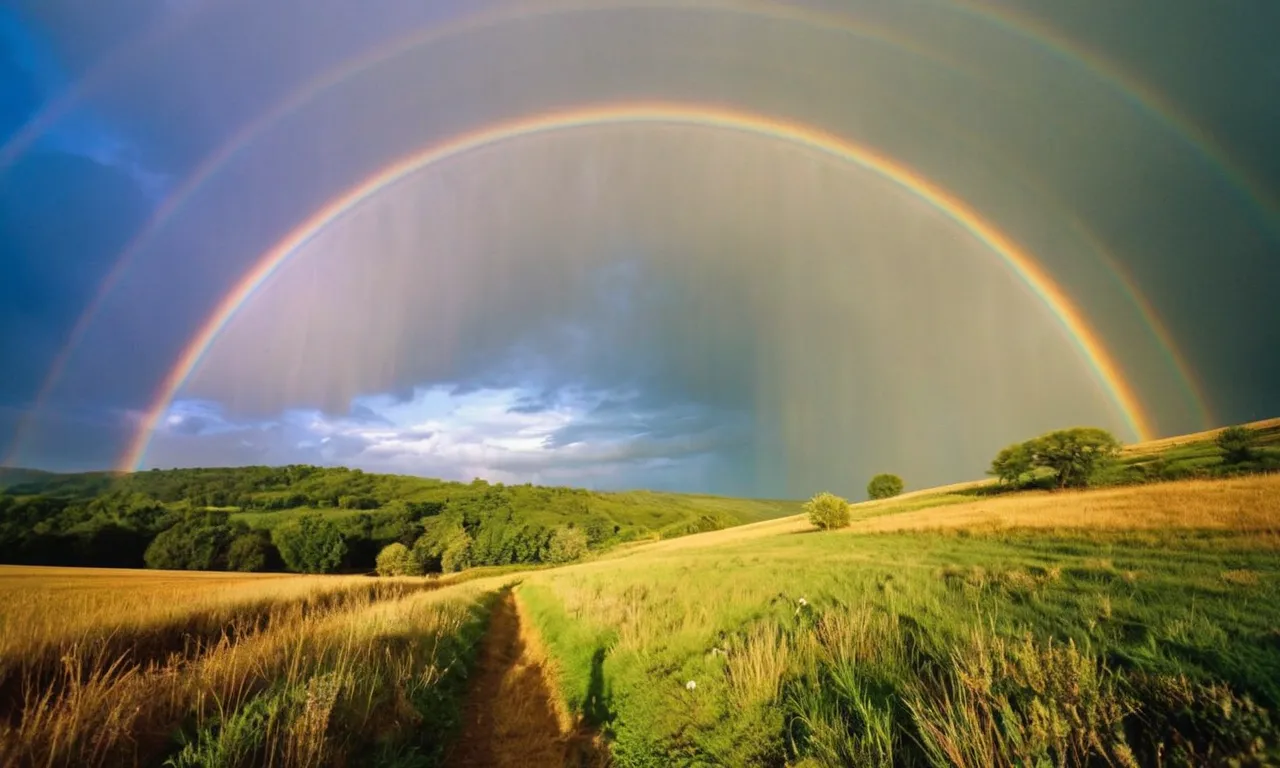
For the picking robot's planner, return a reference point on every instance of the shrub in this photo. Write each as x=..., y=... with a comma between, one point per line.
x=826, y=511
x=1236, y=444
x=566, y=545
x=884, y=486
x=397, y=560
x=310, y=544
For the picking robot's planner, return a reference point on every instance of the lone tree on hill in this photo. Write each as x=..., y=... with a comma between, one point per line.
x=884, y=486
x=1074, y=456
x=827, y=511
x=1237, y=444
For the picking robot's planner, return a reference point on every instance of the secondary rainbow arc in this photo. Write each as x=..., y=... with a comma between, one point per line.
x=1104, y=365
x=1013, y=23
x=247, y=134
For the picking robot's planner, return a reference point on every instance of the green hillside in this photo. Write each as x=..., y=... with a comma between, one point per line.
x=111, y=519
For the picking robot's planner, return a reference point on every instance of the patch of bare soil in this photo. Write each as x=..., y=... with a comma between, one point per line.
x=511, y=717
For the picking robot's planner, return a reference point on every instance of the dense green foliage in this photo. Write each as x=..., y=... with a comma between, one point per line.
x=884, y=486
x=1237, y=444
x=396, y=559
x=223, y=518
x=197, y=542
x=1011, y=464
x=827, y=511
x=566, y=545
x=310, y=544
x=1072, y=457
x=1033, y=464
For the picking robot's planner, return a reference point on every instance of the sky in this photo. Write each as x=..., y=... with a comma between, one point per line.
x=731, y=246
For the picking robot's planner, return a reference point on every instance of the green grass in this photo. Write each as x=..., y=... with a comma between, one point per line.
x=869, y=510
x=909, y=647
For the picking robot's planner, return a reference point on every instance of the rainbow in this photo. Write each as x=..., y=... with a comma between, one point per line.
x=1140, y=96
x=1009, y=21
x=116, y=61
x=1085, y=338
x=243, y=138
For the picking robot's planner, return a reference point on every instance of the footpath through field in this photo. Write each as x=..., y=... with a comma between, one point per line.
x=511, y=717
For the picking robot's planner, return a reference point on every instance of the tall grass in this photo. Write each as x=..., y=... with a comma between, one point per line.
x=367, y=669
x=976, y=646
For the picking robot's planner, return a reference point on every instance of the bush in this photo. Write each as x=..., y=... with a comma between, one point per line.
x=826, y=511
x=1236, y=444
x=884, y=486
x=310, y=544
x=397, y=560
x=566, y=545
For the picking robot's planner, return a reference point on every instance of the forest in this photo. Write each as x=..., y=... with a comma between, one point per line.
x=324, y=520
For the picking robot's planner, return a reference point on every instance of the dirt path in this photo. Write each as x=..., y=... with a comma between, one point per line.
x=510, y=718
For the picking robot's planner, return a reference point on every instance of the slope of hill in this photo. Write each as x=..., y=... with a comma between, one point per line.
x=108, y=519
x=1126, y=625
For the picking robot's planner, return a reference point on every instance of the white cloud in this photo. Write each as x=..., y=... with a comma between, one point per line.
x=574, y=437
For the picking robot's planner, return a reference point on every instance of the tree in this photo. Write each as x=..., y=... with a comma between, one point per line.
x=397, y=560
x=1074, y=455
x=438, y=534
x=458, y=555
x=197, y=542
x=826, y=511
x=566, y=545
x=1237, y=444
x=310, y=544
x=884, y=486
x=1011, y=463
x=250, y=552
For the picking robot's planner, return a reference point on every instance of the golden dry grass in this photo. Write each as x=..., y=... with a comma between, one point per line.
x=1248, y=504
x=1165, y=443
x=40, y=605
x=364, y=655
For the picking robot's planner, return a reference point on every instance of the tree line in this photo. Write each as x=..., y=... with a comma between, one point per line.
x=125, y=528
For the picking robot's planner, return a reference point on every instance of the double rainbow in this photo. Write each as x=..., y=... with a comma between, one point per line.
x=1085, y=338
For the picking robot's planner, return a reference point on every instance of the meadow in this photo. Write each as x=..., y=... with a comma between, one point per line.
x=135, y=668
x=1127, y=625
x=1134, y=626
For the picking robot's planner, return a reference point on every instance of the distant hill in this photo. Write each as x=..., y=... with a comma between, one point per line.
x=265, y=496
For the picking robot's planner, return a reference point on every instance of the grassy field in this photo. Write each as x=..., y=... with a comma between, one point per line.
x=139, y=668
x=1134, y=626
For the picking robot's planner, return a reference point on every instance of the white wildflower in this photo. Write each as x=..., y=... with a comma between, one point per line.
x=802, y=602
x=691, y=685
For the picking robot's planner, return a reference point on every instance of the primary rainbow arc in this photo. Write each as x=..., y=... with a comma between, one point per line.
x=1086, y=339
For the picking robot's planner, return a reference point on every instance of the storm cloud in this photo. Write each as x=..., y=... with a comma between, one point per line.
x=671, y=305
